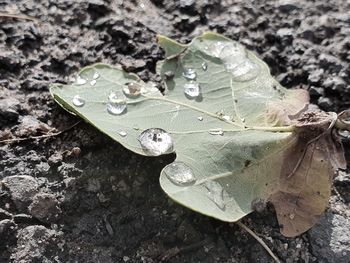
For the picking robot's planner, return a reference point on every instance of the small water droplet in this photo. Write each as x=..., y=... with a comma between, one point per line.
x=180, y=174
x=96, y=75
x=226, y=117
x=204, y=66
x=291, y=216
x=122, y=133
x=78, y=101
x=192, y=89
x=93, y=82
x=80, y=80
x=200, y=118
x=189, y=73
x=116, y=104
x=243, y=119
x=216, y=193
x=132, y=89
x=216, y=132
x=136, y=128
x=156, y=141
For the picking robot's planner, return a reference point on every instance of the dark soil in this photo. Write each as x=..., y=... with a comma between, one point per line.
x=80, y=197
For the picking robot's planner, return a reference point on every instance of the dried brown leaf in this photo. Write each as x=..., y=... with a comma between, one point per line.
x=307, y=173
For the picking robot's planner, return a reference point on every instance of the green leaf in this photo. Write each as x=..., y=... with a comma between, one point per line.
x=225, y=117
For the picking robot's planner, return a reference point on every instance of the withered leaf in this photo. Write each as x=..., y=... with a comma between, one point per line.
x=307, y=173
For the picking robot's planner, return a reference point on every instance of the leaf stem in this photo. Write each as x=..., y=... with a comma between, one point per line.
x=19, y=16
x=289, y=128
x=259, y=240
x=40, y=136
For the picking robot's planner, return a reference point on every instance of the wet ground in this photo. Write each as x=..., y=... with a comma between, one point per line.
x=80, y=197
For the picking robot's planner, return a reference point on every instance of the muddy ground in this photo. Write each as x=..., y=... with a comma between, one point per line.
x=80, y=197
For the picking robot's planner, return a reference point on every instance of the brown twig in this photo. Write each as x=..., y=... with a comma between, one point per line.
x=167, y=255
x=40, y=136
x=19, y=16
x=259, y=240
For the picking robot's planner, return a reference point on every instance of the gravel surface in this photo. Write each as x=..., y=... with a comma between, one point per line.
x=80, y=197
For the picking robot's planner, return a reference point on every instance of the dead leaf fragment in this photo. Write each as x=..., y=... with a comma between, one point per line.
x=304, y=192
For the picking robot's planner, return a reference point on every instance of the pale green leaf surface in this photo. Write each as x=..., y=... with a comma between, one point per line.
x=232, y=169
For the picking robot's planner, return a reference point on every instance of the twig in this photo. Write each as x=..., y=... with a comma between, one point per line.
x=167, y=255
x=19, y=16
x=259, y=240
x=40, y=136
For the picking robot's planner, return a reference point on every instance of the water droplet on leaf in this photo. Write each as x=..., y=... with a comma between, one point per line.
x=216, y=48
x=189, y=73
x=180, y=174
x=216, y=132
x=226, y=117
x=192, y=89
x=116, y=104
x=122, y=133
x=204, y=66
x=245, y=71
x=80, y=80
x=78, y=101
x=132, y=89
x=233, y=52
x=96, y=75
x=200, y=118
x=216, y=193
x=155, y=141
x=93, y=82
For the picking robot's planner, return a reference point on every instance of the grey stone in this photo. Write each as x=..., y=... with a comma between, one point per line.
x=44, y=207
x=315, y=76
x=9, y=108
x=287, y=6
x=316, y=91
x=330, y=239
x=22, y=189
x=33, y=244
x=7, y=233
x=325, y=103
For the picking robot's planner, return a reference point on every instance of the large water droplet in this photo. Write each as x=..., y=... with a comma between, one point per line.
x=216, y=194
x=189, y=73
x=204, y=66
x=192, y=89
x=116, y=104
x=78, y=101
x=80, y=80
x=155, y=141
x=132, y=89
x=96, y=75
x=180, y=174
x=216, y=132
x=245, y=71
x=93, y=82
x=233, y=52
x=216, y=48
